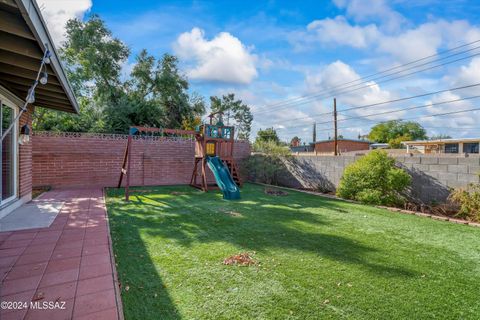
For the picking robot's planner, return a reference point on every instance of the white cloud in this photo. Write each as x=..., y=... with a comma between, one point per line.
x=412, y=44
x=466, y=75
x=373, y=25
x=339, y=31
x=57, y=12
x=366, y=10
x=427, y=39
x=223, y=58
x=339, y=73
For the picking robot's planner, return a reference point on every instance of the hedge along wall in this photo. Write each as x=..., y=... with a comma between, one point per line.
x=432, y=175
x=63, y=160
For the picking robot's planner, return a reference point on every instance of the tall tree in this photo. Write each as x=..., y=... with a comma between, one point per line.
x=93, y=60
x=172, y=87
x=93, y=57
x=439, y=137
x=154, y=94
x=295, y=142
x=396, y=131
x=235, y=112
x=269, y=134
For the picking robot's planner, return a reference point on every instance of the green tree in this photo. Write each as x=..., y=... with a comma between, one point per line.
x=439, y=137
x=154, y=94
x=267, y=165
x=396, y=131
x=269, y=134
x=295, y=141
x=172, y=88
x=93, y=59
x=374, y=179
x=235, y=112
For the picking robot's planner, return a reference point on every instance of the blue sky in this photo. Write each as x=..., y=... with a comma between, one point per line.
x=269, y=51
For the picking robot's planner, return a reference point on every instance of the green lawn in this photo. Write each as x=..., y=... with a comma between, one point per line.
x=317, y=258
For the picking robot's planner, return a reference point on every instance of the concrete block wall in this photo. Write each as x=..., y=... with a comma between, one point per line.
x=433, y=176
x=63, y=160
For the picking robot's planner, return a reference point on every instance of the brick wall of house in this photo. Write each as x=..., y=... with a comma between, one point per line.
x=343, y=146
x=25, y=157
x=78, y=160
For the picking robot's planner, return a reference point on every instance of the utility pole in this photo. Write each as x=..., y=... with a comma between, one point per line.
x=314, y=132
x=335, y=141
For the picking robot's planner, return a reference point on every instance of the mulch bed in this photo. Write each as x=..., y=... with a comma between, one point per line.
x=37, y=191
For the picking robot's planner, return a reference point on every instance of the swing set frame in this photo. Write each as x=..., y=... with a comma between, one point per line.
x=206, y=145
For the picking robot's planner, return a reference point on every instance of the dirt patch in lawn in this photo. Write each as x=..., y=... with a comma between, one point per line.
x=275, y=192
x=177, y=193
x=242, y=259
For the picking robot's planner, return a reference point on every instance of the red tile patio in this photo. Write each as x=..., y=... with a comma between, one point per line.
x=70, y=262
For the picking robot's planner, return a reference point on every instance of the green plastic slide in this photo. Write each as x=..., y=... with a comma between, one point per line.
x=224, y=178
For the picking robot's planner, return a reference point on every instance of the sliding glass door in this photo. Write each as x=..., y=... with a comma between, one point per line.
x=9, y=154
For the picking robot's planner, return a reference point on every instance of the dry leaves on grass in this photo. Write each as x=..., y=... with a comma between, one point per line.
x=177, y=193
x=242, y=259
x=275, y=192
x=230, y=212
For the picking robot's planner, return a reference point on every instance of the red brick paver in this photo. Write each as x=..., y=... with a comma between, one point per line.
x=64, y=271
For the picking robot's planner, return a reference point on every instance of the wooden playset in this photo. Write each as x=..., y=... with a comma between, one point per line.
x=213, y=149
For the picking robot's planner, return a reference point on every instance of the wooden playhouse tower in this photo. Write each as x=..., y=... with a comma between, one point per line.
x=213, y=140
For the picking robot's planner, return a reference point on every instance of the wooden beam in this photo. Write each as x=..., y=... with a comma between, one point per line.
x=22, y=61
x=28, y=83
x=9, y=3
x=51, y=95
x=14, y=24
x=50, y=103
x=22, y=90
x=179, y=131
x=20, y=46
x=41, y=101
x=25, y=73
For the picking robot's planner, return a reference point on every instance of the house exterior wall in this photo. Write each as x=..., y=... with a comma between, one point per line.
x=343, y=146
x=79, y=160
x=23, y=154
x=25, y=158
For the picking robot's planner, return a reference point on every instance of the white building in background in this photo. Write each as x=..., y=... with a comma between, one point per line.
x=464, y=145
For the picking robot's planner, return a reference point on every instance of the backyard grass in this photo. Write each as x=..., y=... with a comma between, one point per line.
x=317, y=258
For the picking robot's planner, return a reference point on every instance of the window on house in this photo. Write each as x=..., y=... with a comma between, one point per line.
x=451, y=148
x=8, y=159
x=470, y=147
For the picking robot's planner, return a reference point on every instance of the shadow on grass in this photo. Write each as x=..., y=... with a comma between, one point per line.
x=144, y=294
x=265, y=222
x=260, y=223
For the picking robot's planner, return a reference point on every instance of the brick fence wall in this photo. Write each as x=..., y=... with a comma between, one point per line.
x=76, y=160
x=432, y=175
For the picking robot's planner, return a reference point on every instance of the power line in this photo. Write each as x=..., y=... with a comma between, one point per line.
x=289, y=102
x=416, y=117
x=386, y=102
x=388, y=80
x=405, y=109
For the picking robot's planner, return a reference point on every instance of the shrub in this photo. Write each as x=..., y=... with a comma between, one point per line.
x=374, y=179
x=468, y=200
x=267, y=163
